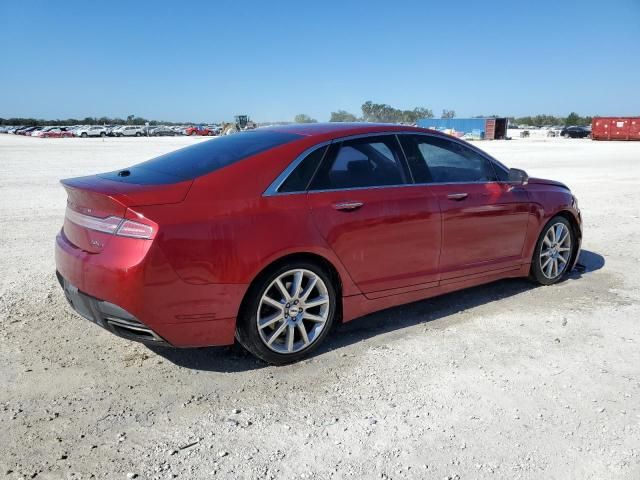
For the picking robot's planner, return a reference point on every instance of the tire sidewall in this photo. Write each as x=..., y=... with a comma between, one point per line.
x=536, y=270
x=247, y=330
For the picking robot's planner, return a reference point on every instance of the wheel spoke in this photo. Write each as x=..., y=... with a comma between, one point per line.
x=547, y=241
x=316, y=302
x=547, y=262
x=546, y=253
x=558, y=232
x=290, y=335
x=555, y=267
x=564, y=249
x=564, y=238
x=549, y=268
x=297, y=284
x=274, y=303
x=313, y=318
x=283, y=290
x=303, y=333
x=552, y=231
x=265, y=322
x=310, y=286
x=277, y=333
x=562, y=259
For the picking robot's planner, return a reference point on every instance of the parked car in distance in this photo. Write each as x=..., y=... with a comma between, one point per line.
x=92, y=131
x=368, y=217
x=130, y=131
x=162, y=131
x=57, y=132
x=26, y=131
x=200, y=130
x=575, y=132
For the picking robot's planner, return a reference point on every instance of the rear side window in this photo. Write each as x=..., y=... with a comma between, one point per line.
x=209, y=156
x=362, y=162
x=299, y=179
x=447, y=161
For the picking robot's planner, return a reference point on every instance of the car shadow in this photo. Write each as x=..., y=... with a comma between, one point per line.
x=234, y=358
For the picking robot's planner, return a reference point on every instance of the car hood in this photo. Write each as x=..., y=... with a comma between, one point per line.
x=544, y=181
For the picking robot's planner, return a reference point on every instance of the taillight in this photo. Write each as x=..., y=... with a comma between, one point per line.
x=113, y=225
x=106, y=225
x=129, y=228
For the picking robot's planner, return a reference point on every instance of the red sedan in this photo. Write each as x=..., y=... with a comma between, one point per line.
x=272, y=236
x=57, y=133
x=200, y=130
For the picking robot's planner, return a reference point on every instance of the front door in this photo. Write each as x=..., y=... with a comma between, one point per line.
x=484, y=220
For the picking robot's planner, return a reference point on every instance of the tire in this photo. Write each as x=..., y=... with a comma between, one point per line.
x=566, y=135
x=282, y=340
x=84, y=135
x=138, y=134
x=102, y=134
x=552, y=259
x=193, y=133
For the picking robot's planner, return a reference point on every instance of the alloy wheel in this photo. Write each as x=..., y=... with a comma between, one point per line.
x=293, y=311
x=555, y=251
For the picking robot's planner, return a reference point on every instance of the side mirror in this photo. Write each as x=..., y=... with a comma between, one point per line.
x=518, y=177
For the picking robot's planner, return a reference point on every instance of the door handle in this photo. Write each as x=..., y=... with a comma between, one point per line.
x=457, y=196
x=347, y=206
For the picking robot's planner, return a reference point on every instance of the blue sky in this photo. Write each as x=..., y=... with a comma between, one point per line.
x=206, y=61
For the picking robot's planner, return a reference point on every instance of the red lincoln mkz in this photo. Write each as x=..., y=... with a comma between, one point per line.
x=272, y=236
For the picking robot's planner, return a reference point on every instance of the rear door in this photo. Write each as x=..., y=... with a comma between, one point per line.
x=484, y=218
x=384, y=229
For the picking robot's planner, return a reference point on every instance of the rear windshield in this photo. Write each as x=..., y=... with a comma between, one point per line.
x=209, y=156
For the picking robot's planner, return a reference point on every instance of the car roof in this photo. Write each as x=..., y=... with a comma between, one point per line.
x=343, y=128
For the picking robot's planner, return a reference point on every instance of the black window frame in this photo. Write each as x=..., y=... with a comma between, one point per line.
x=501, y=172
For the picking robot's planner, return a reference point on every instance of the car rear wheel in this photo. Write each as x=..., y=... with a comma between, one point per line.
x=554, y=249
x=288, y=313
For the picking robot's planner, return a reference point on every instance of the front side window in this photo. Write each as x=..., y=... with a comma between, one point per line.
x=359, y=163
x=440, y=160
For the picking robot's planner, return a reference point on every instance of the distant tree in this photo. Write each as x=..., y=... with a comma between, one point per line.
x=342, y=116
x=130, y=119
x=572, y=119
x=448, y=114
x=303, y=118
x=421, y=112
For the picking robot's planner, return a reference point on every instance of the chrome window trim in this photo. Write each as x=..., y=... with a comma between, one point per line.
x=272, y=189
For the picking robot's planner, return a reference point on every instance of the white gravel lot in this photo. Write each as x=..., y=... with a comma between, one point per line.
x=506, y=380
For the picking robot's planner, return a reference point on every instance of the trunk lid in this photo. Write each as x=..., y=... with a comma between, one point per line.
x=96, y=204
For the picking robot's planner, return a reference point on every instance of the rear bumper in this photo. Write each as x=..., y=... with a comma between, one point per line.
x=137, y=285
x=108, y=316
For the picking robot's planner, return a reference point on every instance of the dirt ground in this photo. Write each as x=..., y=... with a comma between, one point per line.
x=506, y=380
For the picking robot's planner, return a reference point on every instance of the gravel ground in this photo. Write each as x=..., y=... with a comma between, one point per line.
x=504, y=380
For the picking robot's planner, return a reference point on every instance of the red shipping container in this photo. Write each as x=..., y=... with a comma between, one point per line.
x=615, y=128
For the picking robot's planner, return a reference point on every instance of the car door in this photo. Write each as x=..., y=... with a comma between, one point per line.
x=484, y=218
x=385, y=230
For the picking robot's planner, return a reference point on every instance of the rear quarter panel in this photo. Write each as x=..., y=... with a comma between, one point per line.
x=226, y=231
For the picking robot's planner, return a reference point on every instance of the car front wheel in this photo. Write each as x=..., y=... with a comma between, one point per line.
x=288, y=313
x=553, y=254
